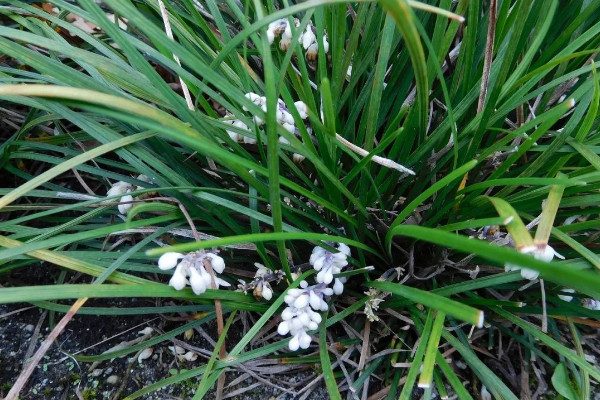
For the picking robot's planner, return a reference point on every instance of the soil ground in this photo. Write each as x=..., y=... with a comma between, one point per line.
x=59, y=376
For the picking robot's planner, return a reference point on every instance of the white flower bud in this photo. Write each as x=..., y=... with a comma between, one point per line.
x=301, y=301
x=302, y=109
x=304, y=318
x=308, y=37
x=312, y=325
x=283, y=328
x=325, y=45
x=485, y=395
x=530, y=274
x=547, y=254
x=196, y=282
x=217, y=263
x=283, y=140
x=303, y=285
x=291, y=128
x=169, y=260
x=285, y=43
x=287, y=33
x=205, y=276
x=294, y=343
x=312, y=52
x=298, y=158
x=566, y=297
x=338, y=287
x=267, y=293
x=324, y=306
x=287, y=314
x=295, y=324
x=289, y=299
x=329, y=291
x=118, y=188
x=270, y=36
x=294, y=292
x=343, y=248
x=316, y=317
x=124, y=208
x=318, y=263
x=304, y=341
x=315, y=301
x=178, y=279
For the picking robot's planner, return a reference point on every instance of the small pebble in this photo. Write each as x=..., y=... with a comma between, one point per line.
x=97, y=372
x=113, y=379
x=28, y=328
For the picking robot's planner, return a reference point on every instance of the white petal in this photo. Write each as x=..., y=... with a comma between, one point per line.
x=283, y=140
x=295, y=292
x=169, y=260
x=221, y=282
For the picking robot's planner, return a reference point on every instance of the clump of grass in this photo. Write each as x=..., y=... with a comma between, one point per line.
x=494, y=113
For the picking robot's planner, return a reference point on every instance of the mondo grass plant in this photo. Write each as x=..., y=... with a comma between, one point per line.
x=400, y=174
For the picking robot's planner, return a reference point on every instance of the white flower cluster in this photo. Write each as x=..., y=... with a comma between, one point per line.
x=284, y=118
x=192, y=265
x=328, y=264
x=545, y=253
x=302, y=313
x=123, y=189
x=308, y=39
x=305, y=303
